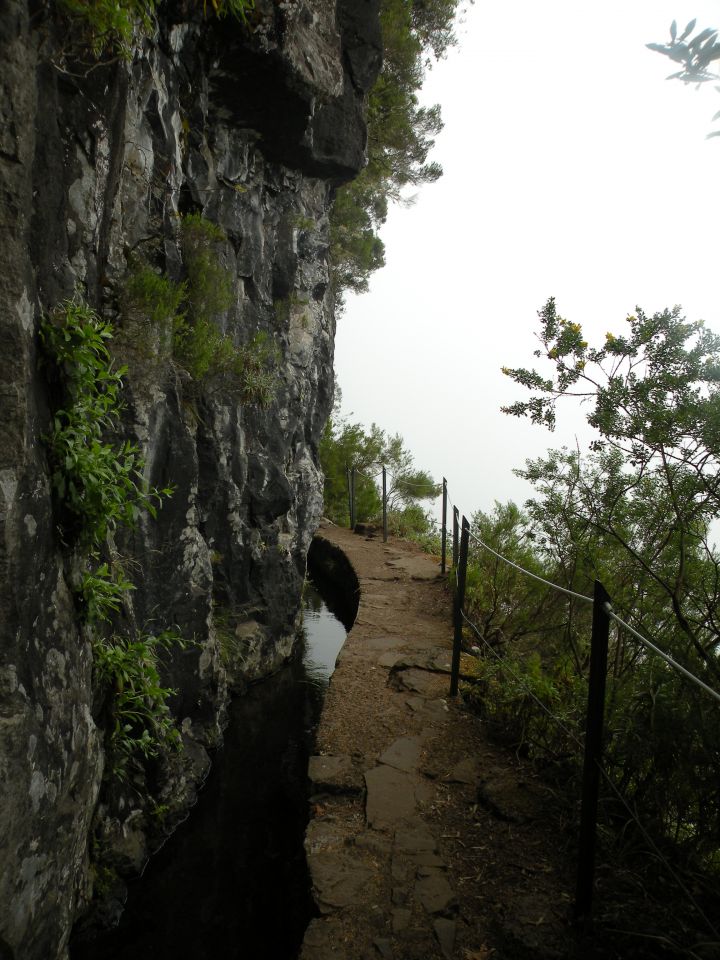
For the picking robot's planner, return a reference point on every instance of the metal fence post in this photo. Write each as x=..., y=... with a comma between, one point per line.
x=384, y=505
x=456, y=535
x=458, y=607
x=443, y=555
x=352, y=499
x=349, y=491
x=593, y=751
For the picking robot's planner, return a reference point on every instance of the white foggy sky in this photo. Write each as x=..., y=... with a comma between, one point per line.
x=572, y=169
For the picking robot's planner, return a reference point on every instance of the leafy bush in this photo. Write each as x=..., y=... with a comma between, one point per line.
x=141, y=723
x=661, y=741
x=208, y=355
x=519, y=696
x=98, y=484
x=153, y=296
x=661, y=753
x=411, y=523
x=345, y=445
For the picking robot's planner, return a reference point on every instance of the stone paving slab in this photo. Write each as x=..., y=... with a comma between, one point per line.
x=390, y=797
x=403, y=754
x=424, y=682
x=334, y=775
x=338, y=879
x=415, y=567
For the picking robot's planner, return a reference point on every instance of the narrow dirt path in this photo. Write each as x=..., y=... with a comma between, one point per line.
x=426, y=840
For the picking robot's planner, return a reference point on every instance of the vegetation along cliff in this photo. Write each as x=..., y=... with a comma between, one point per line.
x=166, y=176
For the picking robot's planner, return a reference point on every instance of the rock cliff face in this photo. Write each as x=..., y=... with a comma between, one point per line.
x=251, y=126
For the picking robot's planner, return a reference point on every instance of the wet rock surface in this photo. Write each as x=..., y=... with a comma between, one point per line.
x=445, y=836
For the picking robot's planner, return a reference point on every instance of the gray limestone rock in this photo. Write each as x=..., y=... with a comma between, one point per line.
x=253, y=129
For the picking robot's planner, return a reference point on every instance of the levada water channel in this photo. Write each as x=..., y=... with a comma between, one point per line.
x=232, y=882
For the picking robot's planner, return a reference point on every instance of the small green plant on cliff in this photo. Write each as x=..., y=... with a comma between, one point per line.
x=179, y=320
x=153, y=295
x=210, y=289
x=103, y=590
x=109, y=26
x=99, y=487
x=127, y=667
x=98, y=483
x=234, y=8
x=141, y=725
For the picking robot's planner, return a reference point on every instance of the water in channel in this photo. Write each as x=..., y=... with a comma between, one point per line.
x=232, y=882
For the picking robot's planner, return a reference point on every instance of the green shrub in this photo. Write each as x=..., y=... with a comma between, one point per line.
x=409, y=522
x=150, y=302
x=530, y=705
x=233, y=8
x=208, y=355
x=165, y=319
x=254, y=369
x=153, y=296
x=141, y=723
x=98, y=484
x=103, y=591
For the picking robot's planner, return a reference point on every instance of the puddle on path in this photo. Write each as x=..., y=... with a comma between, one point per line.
x=232, y=882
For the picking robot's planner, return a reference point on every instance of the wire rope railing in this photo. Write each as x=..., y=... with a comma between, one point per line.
x=649, y=645
x=530, y=693
x=385, y=473
x=592, y=747
x=548, y=583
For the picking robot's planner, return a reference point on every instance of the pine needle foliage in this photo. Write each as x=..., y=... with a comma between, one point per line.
x=400, y=136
